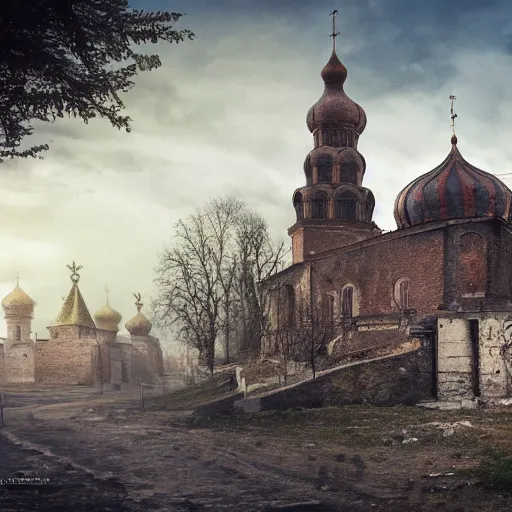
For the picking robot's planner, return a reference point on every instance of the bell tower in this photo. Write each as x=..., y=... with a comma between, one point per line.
x=333, y=209
x=19, y=311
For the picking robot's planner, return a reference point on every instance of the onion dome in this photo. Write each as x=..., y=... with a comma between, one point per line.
x=453, y=190
x=17, y=298
x=18, y=302
x=335, y=110
x=107, y=318
x=139, y=325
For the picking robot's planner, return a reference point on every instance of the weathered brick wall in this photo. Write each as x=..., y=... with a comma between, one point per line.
x=67, y=332
x=19, y=363
x=401, y=379
x=374, y=269
x=311, y=239
x=2, y=374
x=71, y=361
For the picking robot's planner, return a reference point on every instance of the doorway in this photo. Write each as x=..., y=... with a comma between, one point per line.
x=475, y=351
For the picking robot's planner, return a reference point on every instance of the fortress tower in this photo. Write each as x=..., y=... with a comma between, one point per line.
x=19, y=348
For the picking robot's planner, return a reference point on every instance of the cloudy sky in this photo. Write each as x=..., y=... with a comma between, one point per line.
x=225, y=114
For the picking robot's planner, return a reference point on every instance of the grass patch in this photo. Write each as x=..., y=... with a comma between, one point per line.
x=219, y=386
x=495, y=472
x=358, y=425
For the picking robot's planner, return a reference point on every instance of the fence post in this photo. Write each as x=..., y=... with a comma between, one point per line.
x=142, y=396
x=244, y=387
x=1, y=409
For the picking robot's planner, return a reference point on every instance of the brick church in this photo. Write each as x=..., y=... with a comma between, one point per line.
x=441, y=282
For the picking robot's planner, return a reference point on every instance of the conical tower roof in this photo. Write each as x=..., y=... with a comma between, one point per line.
x=74, y=311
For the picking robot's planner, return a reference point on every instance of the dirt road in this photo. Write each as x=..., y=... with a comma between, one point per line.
x=115, y=458
x=102, y=453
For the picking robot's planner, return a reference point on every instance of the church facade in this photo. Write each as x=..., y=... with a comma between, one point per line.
x=441, y=283
x=80, y=350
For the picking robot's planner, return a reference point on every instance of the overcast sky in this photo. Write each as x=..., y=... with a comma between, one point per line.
x=225, y=114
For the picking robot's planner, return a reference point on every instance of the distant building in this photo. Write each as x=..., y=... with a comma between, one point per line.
x=80, y=350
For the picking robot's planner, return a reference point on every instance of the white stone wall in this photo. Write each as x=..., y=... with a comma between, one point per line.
x=454, y=359
x=455, y=356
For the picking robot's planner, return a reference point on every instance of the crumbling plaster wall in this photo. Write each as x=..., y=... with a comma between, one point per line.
x=455, y=356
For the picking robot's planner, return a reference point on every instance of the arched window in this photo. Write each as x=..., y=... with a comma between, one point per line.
x=319, y=206
x=347, y=302
x=345, y=206
x=299, y=207
x=18, y=333
x=324, y=165
x=349, y=169
x=402, y=293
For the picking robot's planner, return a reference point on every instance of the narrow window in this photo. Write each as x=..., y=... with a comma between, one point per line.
x=297, y=203
x=404, y=294
x=18, y=333
x=345, y=207
x=347, y=302
x=319, y=206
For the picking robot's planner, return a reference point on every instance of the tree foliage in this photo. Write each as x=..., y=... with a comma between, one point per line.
x=208, y=280
x=72, y=58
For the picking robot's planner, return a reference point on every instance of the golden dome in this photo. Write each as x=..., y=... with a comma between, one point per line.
x=17, y=298
x=139, y=325
x=107, y=318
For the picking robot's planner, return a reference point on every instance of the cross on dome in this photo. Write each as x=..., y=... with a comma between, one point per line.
x=453, y=116
x=334, y=33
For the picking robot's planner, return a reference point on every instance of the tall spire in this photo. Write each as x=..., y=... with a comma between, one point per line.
x=453, y=117
x=334, y=33
x=74, y=310
x=334, y=195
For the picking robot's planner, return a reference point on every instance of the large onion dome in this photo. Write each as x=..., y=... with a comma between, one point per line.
x=107, y=318
x=453, y=190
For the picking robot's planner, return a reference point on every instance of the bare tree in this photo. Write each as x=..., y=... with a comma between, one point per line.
x=259, y=258
x=189, y=292
x=223, y=216
x=210, y=275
